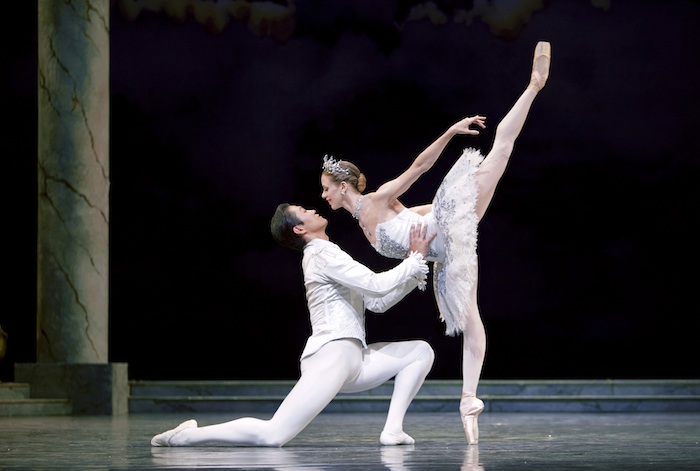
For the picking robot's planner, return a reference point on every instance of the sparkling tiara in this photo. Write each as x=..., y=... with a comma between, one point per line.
x=330, y=165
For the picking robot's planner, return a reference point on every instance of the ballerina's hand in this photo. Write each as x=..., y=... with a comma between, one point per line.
x=462, y=127
x=420, y=240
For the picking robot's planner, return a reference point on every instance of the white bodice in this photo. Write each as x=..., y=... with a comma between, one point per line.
x=393, y=236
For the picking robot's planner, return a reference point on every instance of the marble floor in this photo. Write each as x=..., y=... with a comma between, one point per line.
x=349, y=441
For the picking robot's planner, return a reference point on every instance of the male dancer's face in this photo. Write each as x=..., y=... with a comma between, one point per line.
x=312, y=222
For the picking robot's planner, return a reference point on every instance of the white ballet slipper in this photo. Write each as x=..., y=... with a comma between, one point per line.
x=165, y=438
x=402, y=438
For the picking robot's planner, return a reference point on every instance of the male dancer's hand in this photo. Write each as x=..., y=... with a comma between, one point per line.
x=420, y=240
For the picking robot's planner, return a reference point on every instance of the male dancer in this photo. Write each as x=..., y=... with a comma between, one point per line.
x=336, y=357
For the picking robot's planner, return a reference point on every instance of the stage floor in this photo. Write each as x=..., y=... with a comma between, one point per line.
x=340, y=441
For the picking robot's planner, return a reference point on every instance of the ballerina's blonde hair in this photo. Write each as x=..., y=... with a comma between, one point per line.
x=344, y=171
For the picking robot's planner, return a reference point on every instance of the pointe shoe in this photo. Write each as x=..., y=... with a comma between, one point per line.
x=469, y=409
x=540, y=64
x=164, y=439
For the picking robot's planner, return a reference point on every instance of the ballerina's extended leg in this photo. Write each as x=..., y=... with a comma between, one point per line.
x=494, y=165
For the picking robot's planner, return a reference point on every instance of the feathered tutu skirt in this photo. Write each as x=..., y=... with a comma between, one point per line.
x=454, y=207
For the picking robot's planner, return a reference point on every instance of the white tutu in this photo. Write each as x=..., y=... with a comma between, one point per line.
x=454, y=207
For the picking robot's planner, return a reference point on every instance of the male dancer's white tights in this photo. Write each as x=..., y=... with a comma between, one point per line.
x=339, y=366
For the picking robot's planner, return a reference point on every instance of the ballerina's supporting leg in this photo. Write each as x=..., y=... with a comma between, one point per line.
x=473, y=353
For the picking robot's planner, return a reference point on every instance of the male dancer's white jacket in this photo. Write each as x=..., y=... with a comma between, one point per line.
x=339, y=289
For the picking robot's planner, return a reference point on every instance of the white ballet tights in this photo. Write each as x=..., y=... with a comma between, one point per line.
x=339, y=366
x=491, y=169
x=473, y=349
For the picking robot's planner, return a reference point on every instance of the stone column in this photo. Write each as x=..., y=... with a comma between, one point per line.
x=73, y=211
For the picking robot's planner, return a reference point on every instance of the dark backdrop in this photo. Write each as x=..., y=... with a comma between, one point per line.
x=587, y=255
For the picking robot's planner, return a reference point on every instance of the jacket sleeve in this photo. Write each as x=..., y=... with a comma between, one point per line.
x=393, y=284
x=380, y=305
